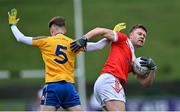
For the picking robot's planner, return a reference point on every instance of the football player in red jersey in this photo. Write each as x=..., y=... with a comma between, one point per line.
x=109, y=87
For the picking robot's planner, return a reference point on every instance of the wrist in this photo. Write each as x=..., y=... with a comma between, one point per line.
x=153, y=68
x=84, y=38
x=12, y=25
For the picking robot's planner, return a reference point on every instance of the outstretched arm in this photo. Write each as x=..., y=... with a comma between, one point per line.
x=82, y=42
x=110, y=35
x=103, y=32
x=107, y=33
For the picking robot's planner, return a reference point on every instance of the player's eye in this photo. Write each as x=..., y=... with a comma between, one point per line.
x=139, y=33
x=144, y=35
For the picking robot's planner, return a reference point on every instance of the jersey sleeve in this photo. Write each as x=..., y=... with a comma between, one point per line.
x=20, y=37
x=121, y=37
x=93, y=46
x=39, y=41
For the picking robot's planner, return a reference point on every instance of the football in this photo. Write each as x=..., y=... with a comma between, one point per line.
x=138, y=69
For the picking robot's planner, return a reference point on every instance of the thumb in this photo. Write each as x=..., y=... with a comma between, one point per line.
x=9, y=14
x=17, y=19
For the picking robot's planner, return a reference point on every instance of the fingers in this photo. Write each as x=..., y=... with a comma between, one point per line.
x=72, y=44
x=143, y=63
x=74, y=47
x=14, y=12
x=144, y=58
x=122, y=24
x=9, y=14
x=119, y=27
x=77, y=48
x=17, y=19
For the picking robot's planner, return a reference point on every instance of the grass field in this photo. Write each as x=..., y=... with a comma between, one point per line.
x=161, y=18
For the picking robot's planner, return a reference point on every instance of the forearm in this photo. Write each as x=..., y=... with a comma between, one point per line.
x=92, y=46
x=148, y=80
x=101, y=32
x=20, y=37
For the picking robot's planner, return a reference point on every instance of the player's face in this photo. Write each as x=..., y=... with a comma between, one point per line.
x=138, y=37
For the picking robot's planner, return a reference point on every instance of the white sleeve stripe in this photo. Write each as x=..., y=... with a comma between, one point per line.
x=115, y=38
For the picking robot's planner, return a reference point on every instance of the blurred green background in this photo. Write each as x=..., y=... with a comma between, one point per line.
x=161, y=17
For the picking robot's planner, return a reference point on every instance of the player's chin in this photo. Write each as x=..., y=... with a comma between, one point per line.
x=140, y=44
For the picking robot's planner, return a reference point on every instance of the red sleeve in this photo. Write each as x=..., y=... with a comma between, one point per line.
x=121, y=37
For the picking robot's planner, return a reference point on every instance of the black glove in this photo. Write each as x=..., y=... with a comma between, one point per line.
x=78, y=44
x=148, y=62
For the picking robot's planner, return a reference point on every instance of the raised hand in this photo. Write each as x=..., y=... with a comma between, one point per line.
x=13, y=17
x=119, y=27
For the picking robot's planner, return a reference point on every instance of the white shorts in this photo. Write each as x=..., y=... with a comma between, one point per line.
x=107, y=87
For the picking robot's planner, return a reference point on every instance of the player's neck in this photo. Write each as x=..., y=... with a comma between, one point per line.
x=59, y=33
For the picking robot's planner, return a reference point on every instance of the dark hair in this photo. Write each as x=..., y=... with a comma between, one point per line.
x=58, y=20
x=138, y=26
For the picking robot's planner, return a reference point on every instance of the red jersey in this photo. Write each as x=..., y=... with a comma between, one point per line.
x=119, y=60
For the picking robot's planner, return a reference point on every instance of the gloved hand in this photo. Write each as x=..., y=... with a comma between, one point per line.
x=13, y=17
x=148, y=62
x=78, y=44
x=119, y=27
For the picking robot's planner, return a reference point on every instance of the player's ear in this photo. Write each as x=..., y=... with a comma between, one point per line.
x=130, y=35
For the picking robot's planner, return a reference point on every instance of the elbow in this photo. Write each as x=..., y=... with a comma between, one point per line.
x=18, y=40
x=97, y=28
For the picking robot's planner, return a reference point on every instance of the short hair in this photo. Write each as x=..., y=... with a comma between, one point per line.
x=136, y=27
x=58, y=20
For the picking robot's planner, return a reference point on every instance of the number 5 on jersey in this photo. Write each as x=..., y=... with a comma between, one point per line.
x=58, y=52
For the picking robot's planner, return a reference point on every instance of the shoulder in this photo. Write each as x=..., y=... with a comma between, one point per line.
x=121, y=36
x=66, y=38
x=40, y=37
